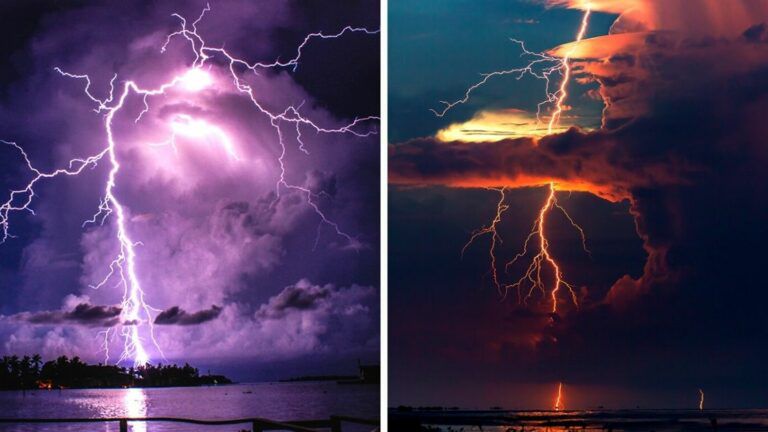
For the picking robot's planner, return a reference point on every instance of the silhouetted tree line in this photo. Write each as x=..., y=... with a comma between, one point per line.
x=31, y=373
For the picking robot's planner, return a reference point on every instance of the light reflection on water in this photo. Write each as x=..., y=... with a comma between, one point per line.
x=599, y=420
x=278, y=401
x=135, y=405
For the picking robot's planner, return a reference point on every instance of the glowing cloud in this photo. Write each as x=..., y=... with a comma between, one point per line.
x=714, y=18
x=199, y=130
x=196, y=79
x=488, y=126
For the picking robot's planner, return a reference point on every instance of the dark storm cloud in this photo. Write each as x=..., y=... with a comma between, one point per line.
x=680, y=135
x=685, y=144
x=177, y=316
x=83, y=314
x=299, y=297
x=320, y=182
x=212, y=231
x=756, y=33
x=604, y=162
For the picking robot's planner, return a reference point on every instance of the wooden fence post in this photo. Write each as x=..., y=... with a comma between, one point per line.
x=256, y=426
x=335, y=424
x=123, y=425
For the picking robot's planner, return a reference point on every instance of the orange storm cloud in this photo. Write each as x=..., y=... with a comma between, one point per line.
x=716, y=18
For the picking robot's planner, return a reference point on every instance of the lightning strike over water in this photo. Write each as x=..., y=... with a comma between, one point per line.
x=123, y=271
x=559, y=398
x=542, y=66
x=701, y=400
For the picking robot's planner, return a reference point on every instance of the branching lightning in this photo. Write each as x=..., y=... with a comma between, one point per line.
x=541, y=66
x=492, y=230
x=290, y=116
x=533, y=279
x=562, y=92
x=123, y=271
x=533, y=274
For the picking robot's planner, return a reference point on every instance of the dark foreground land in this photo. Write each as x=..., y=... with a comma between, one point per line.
x=368, y=374
x=437, y=419
x=26, y=373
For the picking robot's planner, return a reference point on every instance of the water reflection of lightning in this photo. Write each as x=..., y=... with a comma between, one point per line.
x=541, y=66
x=123, y=269
x=559, y=398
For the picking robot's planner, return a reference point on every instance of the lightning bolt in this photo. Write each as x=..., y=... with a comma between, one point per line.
x=291, y=115
x=562, y=92
x=541, y=66
x=701, y=400
x=123, y=271
x=559, y=397
x=533, y=275
x=533, y=279
x=491, y=230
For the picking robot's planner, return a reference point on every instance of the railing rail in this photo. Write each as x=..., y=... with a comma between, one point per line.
x=257, y=424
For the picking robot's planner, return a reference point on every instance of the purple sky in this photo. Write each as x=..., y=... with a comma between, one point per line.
x=240, y=274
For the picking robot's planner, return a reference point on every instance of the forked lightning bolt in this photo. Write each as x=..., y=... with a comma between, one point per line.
x=534, y=277
x=492, y=230
x=543, y=259
x=291, y=115
x=562, y=92
x=542, y=66
x=123, y=271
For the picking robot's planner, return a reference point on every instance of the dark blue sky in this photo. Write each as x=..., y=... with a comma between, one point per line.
x=439, y=48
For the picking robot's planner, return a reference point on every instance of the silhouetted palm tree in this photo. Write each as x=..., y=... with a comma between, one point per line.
x=27, y=373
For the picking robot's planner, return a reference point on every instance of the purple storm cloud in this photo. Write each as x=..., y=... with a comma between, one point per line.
x=232, y=198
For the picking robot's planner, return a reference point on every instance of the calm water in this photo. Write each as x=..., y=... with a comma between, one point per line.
x=592, y=421
x=276, y=401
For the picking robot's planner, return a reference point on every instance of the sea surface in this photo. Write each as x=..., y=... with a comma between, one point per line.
x=660, y=420
x=274, y=401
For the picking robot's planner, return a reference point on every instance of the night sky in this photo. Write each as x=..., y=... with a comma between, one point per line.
x=244, y=282
x=668, y=184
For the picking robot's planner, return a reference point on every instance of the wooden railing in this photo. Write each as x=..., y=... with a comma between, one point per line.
x=256, y=424
x=598, y=420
